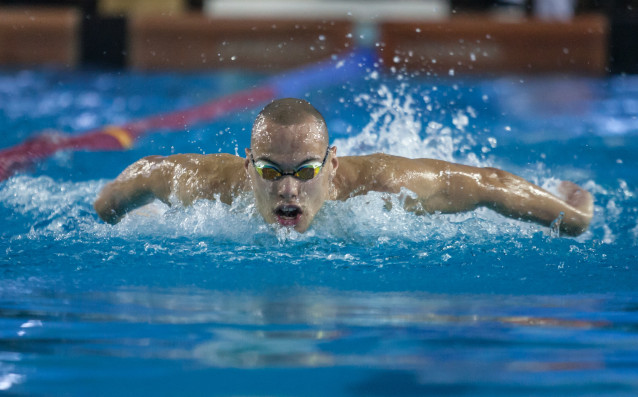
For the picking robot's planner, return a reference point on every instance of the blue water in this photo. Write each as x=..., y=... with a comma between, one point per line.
x=209, y=300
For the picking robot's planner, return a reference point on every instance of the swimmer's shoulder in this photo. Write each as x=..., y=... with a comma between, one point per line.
x=366, y=160
x=390, y=163
x=383, y=162
x=362, y=174
x=220, y=166
x=208, y=168
x=203, y=159
x=195, y=161
x=224, y=160
x=210, y=175
x=384, y=173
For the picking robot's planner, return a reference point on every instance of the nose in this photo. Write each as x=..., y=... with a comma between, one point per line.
x=288, y=188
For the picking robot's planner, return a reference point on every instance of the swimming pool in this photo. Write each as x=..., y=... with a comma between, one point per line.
x=208, y=300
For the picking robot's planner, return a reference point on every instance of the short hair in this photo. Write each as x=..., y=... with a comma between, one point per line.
x=289, y=111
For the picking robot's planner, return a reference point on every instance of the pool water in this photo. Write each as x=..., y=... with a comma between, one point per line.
x=209, y=300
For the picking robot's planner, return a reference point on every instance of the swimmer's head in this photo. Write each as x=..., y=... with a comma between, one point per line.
x=290, y=165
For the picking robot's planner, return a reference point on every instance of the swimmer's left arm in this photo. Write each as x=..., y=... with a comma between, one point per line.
x=456, y=188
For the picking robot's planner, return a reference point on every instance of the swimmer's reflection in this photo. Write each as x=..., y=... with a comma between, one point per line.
x=375, y=330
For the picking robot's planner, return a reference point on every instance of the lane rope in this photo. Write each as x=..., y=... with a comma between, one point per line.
x=122, y=136
x=293, y=83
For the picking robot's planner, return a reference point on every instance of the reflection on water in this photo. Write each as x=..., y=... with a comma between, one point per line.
x=323, y=328
x=254, y=349
x=481, y=341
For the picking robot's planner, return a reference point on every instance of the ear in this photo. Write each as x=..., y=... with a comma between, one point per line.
x=333, y=159
x=247, y=161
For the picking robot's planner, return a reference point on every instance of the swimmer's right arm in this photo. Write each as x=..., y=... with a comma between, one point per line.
x=139, y=184
x=182, y=178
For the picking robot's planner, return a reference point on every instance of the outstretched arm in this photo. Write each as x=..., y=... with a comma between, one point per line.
x=446, y=187
x=139, y=184
x=515, y=197
x=182, y=177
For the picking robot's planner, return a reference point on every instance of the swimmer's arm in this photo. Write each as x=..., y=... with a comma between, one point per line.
x=138, y=185
x=183, y=178
x=456, y=188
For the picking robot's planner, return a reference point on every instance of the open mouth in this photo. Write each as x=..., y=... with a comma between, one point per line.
x=288, y=215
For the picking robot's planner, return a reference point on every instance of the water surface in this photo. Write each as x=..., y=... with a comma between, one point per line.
x=209, y=300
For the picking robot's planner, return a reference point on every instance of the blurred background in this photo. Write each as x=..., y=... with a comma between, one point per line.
x=592, y=37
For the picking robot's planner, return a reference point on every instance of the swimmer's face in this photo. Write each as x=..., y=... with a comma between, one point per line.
x=288, y=200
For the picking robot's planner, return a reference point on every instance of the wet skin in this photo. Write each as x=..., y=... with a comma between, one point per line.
x=290, y=201
x=439, y=186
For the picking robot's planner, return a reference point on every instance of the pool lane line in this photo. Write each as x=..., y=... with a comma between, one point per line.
x=24, y=155
x=123, y=137
x=288, y=84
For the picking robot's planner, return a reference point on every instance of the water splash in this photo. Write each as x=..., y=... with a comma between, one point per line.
x=42, y=208
x=404, y=119
x=63, y=210
x=402, y=122
x=370, y=234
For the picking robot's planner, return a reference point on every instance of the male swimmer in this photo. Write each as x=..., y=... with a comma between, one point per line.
x=291, y=170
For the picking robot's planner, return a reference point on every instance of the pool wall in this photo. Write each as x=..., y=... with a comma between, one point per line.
x=482, y=43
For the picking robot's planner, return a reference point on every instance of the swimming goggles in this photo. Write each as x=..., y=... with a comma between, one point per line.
x=304, y=172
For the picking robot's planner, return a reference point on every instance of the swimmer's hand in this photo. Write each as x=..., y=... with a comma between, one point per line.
x=582, y=202
x=569, y=212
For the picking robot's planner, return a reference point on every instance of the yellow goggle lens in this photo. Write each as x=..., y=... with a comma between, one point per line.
x=268, y=172
x=305, y=172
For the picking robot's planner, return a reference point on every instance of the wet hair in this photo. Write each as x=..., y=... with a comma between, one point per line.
x=289, y=111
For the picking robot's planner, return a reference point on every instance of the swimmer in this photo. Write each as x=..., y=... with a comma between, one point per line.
x=291, y=170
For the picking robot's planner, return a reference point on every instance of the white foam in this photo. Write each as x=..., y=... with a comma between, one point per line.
x=63, y=210
x=399, y=126
x=7, y=381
